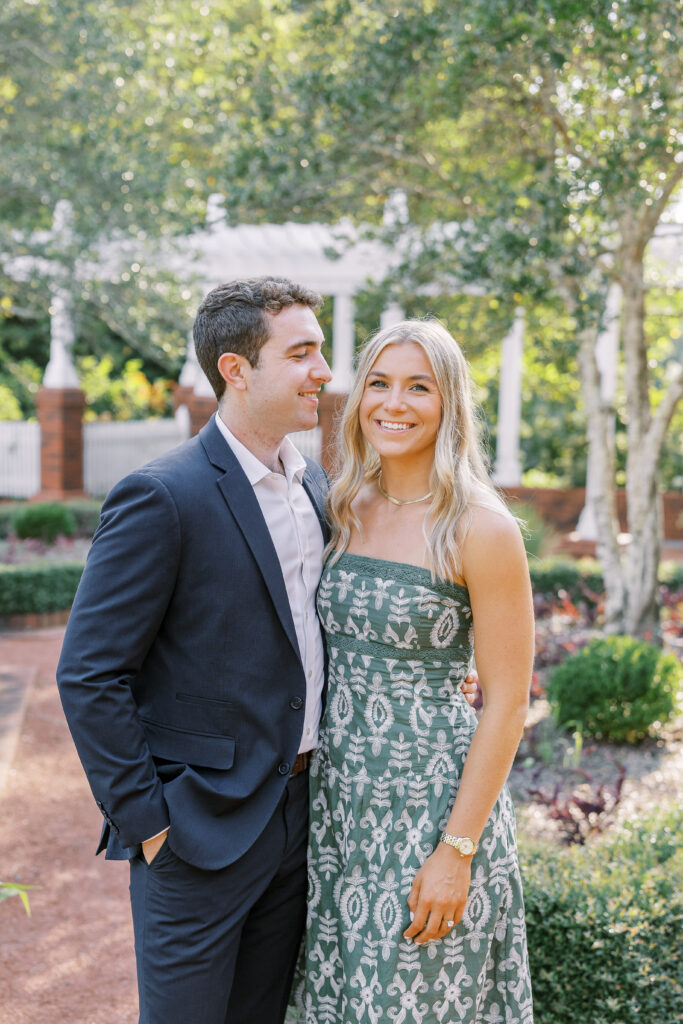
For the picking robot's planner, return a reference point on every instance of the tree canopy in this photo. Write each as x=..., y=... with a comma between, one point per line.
x=549, y=132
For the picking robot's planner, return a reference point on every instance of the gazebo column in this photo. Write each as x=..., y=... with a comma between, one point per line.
x=607, y=358
x=508, y=468
x=333, y=398
x=188, y=376
x=393, y=314
x=343, y=339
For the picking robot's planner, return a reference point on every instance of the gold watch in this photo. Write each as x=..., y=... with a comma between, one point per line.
x=463, y=844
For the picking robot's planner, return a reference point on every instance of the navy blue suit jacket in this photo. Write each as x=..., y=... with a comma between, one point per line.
x=180, y=673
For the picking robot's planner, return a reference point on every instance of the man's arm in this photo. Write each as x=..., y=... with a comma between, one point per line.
x=121, y=601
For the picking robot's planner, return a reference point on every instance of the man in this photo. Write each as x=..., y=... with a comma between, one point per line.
x=192, y=670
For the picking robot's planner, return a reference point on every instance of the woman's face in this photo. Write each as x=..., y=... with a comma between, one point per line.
x=400, y=410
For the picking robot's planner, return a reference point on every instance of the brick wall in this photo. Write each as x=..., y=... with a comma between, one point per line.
x=561, y=508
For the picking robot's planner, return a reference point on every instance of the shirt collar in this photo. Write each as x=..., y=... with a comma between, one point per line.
x=292, y=460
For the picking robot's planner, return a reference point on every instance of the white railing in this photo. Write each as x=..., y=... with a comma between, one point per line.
x=111, y=450
x=19, y=459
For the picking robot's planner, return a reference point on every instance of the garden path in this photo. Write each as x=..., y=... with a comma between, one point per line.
x=72, y=960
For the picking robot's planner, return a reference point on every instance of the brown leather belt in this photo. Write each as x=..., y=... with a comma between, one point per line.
x=301, y=763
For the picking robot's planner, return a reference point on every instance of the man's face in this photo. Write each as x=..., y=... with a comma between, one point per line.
x=283, y=389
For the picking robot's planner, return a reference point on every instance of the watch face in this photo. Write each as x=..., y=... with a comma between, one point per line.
x=466, y=846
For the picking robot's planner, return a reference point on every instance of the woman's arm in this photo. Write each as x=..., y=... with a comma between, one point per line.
x=495, y=570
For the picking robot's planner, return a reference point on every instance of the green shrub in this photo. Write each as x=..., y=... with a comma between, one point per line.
x=615, y=688
x=538, y=535
x=581, y=580
x=86, y=512
x=45, y=521
x=604, y=924
x=8, y=511
x=671, y=575
x=584, y=577
x=38, y=588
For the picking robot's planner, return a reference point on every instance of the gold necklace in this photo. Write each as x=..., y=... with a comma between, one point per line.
x=400, y=501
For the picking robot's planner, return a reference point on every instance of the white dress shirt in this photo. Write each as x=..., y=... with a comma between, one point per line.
x=295, y=530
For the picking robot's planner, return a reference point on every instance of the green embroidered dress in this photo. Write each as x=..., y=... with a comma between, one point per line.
x=395, y=736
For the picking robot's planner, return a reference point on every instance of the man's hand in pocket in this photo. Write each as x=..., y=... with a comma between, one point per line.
x=151, y=847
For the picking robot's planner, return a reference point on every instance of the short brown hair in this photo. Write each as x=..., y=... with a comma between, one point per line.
x=232, y=319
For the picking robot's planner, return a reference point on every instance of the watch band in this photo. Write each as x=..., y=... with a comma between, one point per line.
x=465, y=846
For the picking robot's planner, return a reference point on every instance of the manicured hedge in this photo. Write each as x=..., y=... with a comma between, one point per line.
x=583, y=578
x=604, y=924
x=578, y=579
x=7, y=514
x=38, y=588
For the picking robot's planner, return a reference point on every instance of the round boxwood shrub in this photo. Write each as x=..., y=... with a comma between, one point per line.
x=616, y=688
x=44, y=521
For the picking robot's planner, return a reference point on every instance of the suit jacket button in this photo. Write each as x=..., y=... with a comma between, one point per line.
x=284, y=768
x=296, y=703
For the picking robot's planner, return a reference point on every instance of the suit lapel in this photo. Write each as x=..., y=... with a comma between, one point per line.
x=312, y=485
x=239, y=496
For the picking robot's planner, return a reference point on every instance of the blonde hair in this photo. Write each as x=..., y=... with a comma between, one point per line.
x=459, y=478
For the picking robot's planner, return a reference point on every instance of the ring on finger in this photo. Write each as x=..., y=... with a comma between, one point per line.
x=450, y=923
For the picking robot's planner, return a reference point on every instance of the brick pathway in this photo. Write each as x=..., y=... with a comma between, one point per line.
x=72, y=961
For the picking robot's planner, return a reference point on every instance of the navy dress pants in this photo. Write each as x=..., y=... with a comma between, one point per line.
x=220, y=947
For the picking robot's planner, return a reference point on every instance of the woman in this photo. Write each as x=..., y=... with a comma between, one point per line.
x=415, y=903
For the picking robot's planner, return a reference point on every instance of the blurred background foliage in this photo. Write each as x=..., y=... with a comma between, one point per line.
x=532, y=125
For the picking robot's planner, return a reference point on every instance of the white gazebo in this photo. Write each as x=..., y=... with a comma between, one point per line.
x=337, y=261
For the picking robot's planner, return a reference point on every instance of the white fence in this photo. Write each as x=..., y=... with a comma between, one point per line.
x=19, y=459
x=110, y=451
x=309, y=442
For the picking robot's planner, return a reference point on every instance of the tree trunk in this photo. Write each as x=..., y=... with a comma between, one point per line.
x=601, y=447
x=641, y=612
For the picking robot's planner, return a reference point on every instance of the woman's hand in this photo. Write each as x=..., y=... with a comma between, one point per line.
x=439, y=894
x=470, y=688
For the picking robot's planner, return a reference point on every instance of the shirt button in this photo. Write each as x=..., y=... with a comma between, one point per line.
x=310, y=672
x=296, y=703
x=284, y=768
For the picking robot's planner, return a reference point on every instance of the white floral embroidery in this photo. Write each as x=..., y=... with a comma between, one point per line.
x=392, y=748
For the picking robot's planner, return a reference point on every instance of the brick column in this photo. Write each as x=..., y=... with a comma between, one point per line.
x=201, y=408
x=330, y=407
x=182, y=394
x=60, y=413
